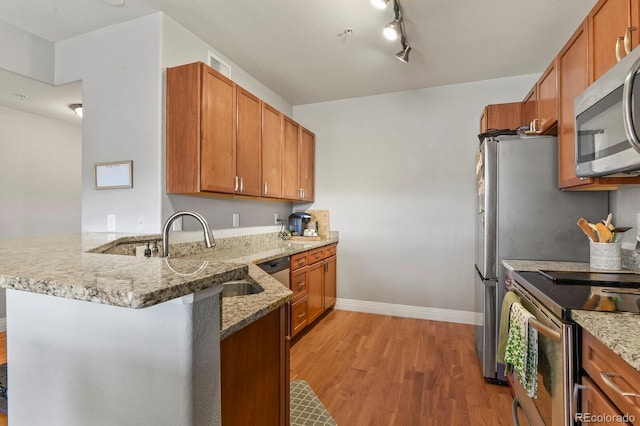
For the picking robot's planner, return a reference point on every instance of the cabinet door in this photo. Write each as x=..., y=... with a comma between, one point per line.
x=271, y=152
x=330, y=282
x=547, y=99
x=315, y=301
x=608, y=20
x=307, y=163
x=298, y=316
x=248, y=143
x=290, y=160
x=573, y=65
x=218, y=161
x=529, y=107
x=596, y=404
x=248, y=398
x=504, y=116
x=298, y=283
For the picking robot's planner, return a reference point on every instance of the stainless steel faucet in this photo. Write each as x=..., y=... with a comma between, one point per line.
x=208, y=236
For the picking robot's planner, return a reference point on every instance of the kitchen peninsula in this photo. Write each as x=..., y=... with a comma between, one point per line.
x=113, y=339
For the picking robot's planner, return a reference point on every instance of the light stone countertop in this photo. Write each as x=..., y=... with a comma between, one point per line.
x=618, y=331
x=61, y=266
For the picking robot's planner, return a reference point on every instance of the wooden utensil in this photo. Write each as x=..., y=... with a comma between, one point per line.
x=604, y=233
x=584, y=225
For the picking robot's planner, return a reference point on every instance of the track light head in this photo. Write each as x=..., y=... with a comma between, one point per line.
x=403, y=55
x=392, y=30
x=380, y=4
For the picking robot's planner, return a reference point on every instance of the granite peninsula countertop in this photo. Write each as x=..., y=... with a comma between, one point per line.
x=63, y=266
x=618, y=331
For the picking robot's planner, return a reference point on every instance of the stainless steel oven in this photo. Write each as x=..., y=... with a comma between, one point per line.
x=556, y=367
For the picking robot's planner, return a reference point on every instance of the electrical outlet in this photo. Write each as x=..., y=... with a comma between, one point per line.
x=177, y=224
x=236, y=220
x=111, y=223
x=276, y=218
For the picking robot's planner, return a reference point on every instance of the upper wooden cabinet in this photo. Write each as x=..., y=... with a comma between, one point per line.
x=291, y=160
x=529, y=106
x=298, y=162
x=573, y=72
x=501, y=116
x=547, y=100
x=573, y=67
x=271, y=152
x=223, y=139
x=540, y=106
x=248, y=143
x=307, y=164
x=613, y=26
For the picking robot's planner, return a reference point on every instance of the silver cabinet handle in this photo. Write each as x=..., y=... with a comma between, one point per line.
x=618, y=45
x=576, y=388
x=266, y=187
x=627, y=107
x=627, y=39
x=606, y=376
x=235, y=186
x=241, y=184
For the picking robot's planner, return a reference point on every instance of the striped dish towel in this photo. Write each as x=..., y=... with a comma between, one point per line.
x=522, y=349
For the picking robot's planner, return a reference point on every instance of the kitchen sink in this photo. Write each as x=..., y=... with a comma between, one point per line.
x=240, y=288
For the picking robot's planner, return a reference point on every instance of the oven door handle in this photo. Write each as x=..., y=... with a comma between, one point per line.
x=545, y=330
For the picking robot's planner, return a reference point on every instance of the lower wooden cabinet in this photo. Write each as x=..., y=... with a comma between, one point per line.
x=609, y=380
x=254, y=373
x=313, y=282
x=596, y=405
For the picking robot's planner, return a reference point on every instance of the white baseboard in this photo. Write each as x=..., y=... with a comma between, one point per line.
x=3, y=324
x=408, y=311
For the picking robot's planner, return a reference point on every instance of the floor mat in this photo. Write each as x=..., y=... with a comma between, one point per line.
x=306, y=408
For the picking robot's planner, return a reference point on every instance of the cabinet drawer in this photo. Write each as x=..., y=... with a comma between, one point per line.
x=298, y=283
x=298, y=260
x=330, y=250
x=595, y=404
x=316, y=255
x=298, y=316
x=612, y=374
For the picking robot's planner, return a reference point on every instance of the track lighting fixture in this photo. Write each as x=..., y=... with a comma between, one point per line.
x=392, y=30
x=395, y=29
x=403, y=55
x=380, y=4
x=77, y=108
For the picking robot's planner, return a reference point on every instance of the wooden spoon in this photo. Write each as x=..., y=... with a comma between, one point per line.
x=604, y=233
x=584, y=225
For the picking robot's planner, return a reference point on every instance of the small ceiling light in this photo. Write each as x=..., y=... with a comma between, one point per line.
x=77, y=108
x=392, y=29
x=380, y=4
x=403, y=55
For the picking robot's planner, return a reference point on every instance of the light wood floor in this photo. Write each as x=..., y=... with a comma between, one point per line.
x=380, y=370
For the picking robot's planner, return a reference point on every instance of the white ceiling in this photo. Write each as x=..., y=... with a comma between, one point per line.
x=294, y=47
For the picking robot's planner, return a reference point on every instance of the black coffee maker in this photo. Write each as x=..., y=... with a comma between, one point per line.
x=298, y=222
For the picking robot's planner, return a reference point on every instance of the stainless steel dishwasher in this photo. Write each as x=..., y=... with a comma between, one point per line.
x=278, y=269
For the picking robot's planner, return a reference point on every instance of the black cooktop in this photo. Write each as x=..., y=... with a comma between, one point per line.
x=602, y=294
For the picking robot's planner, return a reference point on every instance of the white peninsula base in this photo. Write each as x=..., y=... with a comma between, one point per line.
x=79, y=363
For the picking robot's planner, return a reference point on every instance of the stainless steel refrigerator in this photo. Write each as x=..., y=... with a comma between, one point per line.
x=521, y=214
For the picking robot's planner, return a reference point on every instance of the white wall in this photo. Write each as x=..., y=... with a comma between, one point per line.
x=625, y=206
x=397, y=173
x=39, y=177
x=26, y=54
x=121, y=78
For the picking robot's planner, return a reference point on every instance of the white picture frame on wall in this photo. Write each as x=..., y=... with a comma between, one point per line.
x=113, y=174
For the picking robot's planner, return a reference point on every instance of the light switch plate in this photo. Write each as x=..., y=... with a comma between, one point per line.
x=111, y=223
x=236, y=220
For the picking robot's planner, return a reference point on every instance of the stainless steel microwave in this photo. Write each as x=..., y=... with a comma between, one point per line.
x=607, y=119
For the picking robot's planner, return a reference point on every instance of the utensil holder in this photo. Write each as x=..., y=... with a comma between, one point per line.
x=605, y=256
